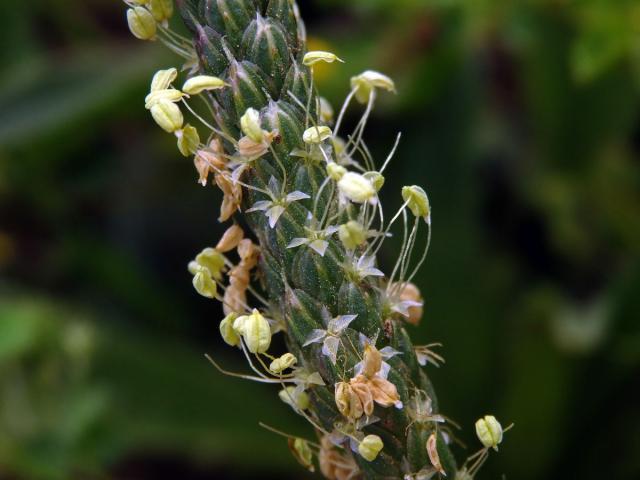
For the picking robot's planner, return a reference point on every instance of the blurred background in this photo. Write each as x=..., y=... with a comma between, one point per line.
x=522, y=121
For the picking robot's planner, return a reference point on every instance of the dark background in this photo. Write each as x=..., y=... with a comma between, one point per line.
x=521, y=120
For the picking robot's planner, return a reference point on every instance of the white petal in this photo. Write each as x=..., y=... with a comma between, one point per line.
x=238, y=171
x=274, y=186
x=320, y=246
x=357, y=369
x=315, y=336
x=260, y=206
x=389, y=352
x=384, y=370
x=338, y=324
x=422, y=358
x=296, y=242
x=331, y=230
x=273, y=214
x=295, y=196
x=330, y=348
x=371, y=272
x=315, y=379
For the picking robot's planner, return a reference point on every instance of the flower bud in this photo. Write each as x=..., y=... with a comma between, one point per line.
x=367, y=81
x=297, y=399
x=417, y=201
x=230, y=239
x=229, y=335
x=376, y=179
x=200, y=83
x=188, y=140
x=204, y=284
x=250, y=125
x=316, y=134
x=335, y=171
x=161, y=9
x=163, y=79
x=489, y=431
x=370, y=447
x=255, y=330
x=167, y=115
x=432, y=451
x=311, y=58
x=141, y=23
x=352, y=235
x=212, y=260
x=279, y=365
x=156, y=96
x=356, y=188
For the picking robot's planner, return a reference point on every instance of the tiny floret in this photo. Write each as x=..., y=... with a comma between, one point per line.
x=316, y=135
x=200, y=83
x=489, y=431
x=141, y=23
x=311, y=58
x=417, y=201
x=370, y=447
x=365, y=83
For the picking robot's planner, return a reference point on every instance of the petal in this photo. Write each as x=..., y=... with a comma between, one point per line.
x=296, y=242
x=422, y=358
x=389, y=352
x=273, y=214
x=331, y=230
x=338, y=324
x=357, y=369
x=315, y=336
x=274, y=186
x=315, y=379
x=297, y=195
x=319, y=246
x=330, y=348
x=371, y=272
x=260, y=206
x=384, y=370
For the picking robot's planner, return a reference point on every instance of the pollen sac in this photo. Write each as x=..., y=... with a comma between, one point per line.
x=356, y=188
x=141, y=23
x=335, y=171
x=280, y=364
x=255, y=330
x=230, y=239
x=376, y=179
x=370, y=447
x=302, y=452
x=167, y=115
x=162, y=10
x=325, y=110
x=432, y=451
x=157, y=96
x=316, y=135
x=250, y=125
x=163, y=79
x=352, y=235
x=489, y=431
x=311, y=58
x=200, y=83
x=229, y=335
x=417, y=201
x=365, y=83
x=188, y=140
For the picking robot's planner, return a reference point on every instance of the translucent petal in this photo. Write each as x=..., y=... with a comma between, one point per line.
x=273, y=214
x=384, y=370
x=320, y=246
x=274, y=186
x=338, y=324
x=260, y=206
x=371, y=272
x=296, y=242
x=330, y=348
x=422, y=358
x=297, y=195
x=315, y=379
x=315, y=336
x=389, y=352
x=331, y=230
x=357, y=369
x=403, y=307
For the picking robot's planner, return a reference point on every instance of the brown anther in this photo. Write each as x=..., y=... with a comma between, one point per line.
x=411, y=293
x=230, y=239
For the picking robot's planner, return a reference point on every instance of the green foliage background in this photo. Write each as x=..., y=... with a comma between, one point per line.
x=521, y=119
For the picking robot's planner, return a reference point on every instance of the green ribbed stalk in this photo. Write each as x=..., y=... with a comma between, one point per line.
x=256, y=46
